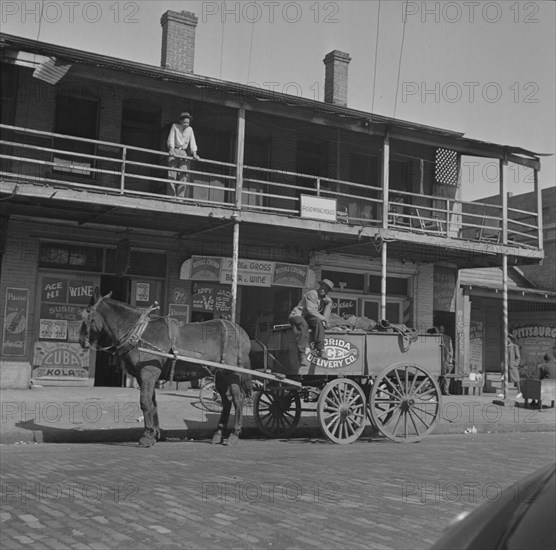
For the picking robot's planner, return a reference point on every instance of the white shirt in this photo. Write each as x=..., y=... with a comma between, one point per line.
x=181, y=139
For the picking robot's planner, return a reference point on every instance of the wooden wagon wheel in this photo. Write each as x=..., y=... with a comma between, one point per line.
x=341, y=411
x=404, y=403
x=277, y=411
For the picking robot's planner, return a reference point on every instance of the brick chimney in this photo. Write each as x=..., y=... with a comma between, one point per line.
x=336, y=77
x=178, y=40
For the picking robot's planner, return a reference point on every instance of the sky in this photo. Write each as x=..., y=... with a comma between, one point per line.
x=483, y=68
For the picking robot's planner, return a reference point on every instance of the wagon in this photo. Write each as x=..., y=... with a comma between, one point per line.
x=388, y=377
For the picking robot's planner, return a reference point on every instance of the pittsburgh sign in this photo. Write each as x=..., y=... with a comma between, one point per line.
x=341, y=353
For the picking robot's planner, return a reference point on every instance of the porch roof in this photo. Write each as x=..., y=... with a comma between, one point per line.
x=401, y=129
x=491, y=279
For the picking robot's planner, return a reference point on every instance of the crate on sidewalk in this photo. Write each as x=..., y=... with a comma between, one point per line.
x=471, y=385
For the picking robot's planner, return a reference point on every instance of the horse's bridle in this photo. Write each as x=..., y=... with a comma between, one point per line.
x=130, y=340
x=87, y=316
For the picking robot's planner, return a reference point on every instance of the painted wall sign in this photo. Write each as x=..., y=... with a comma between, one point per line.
x=341, y=353
x=205, y=268
x=16, y=315
x=142, y=292
x=80, y=292
x=250, y=272
x=212, y=298
x=318, y=208
x=53, y=329
x=476, y=346
x=179, y=312
x=54, y=289
x=57, y=360
x=61, y=311
x=344, y=307
x=290, y=275
x=178, y=295
x=444, y=297
x=535, y=340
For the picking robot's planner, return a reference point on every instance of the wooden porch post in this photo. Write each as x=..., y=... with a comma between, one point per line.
x=504, y=195
x=239, y=187
x=538, y=196
x=385, y=209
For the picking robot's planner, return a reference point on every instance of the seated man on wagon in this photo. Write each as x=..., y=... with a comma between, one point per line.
x=313, y=311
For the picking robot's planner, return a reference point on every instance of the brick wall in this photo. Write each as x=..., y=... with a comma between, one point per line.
x=178, y=41
x=336, y=77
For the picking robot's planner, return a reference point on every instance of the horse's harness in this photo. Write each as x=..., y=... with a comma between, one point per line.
x=131, y=339
x=135, y=336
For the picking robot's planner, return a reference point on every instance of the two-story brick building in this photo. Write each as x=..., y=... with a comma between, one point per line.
x=531, y=299
x=288, y=190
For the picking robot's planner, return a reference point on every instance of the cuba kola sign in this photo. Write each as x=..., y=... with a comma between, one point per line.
x=60, y=360
x=341, y=353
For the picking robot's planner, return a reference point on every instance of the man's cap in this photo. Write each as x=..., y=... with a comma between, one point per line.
x=185, y=115
x=328, y=283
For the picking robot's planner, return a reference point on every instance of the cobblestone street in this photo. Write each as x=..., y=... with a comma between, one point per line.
x=261, y=494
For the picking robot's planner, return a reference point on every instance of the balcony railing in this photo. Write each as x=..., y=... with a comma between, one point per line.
x=80, y=163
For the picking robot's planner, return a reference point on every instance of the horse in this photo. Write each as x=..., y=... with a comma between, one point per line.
x=131, y=332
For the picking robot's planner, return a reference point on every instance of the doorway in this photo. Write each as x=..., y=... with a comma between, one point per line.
x=108, y=368
x=141, y=128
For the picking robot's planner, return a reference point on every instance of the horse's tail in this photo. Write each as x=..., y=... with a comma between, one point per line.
x=236, y=347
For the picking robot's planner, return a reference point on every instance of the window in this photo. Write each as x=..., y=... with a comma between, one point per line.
x=146, y=264
x=75, y=257
x=394, y=285
x=353, y=281
x=394, y=313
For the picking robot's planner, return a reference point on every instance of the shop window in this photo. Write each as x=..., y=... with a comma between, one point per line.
x=353, y=281
x=146, y=264
x=371, y=309
x=62, y=299
x=394, y=285
x=64, y=256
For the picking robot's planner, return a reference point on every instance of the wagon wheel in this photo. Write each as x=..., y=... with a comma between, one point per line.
x=341, y=411
x=404, y=403
x=208, y=396
x=277, y=411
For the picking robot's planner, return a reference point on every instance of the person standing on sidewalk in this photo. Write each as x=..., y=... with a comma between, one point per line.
x=513, y=357
x=447, y=359
x=313, y=311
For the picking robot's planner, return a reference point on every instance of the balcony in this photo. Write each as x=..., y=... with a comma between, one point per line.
x=66, y=162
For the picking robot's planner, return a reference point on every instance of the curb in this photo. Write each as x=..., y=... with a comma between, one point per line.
x=132, y=435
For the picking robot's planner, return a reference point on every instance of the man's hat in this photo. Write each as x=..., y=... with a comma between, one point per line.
x=328, y=283
x=185, y=115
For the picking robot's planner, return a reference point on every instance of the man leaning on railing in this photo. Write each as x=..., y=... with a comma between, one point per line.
x=180, y=138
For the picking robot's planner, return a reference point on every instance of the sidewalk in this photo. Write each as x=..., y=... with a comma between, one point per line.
x=95, y=414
